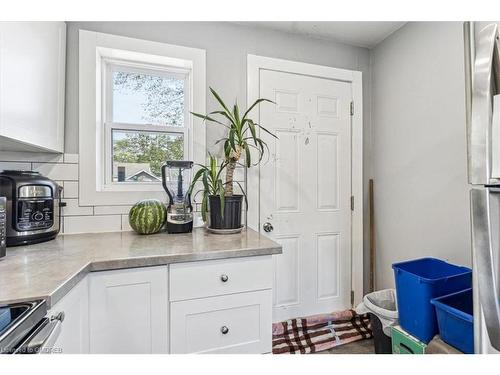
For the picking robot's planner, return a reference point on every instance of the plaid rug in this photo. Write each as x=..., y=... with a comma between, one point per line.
x=320, y=332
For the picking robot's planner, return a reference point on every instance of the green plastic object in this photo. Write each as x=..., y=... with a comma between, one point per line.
x=404, y=343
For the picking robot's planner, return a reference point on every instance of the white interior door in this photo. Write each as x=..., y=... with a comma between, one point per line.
x=305, y=191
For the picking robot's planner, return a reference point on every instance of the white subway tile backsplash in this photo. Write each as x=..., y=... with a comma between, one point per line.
x=63, y=168
x=239, y=174
x=4, y=165
x=73, y=209
x=71, y=158
x=70, y=189
x=31, y=157
x=197, y=220
x=125, y=224
x=111, y=210
x=92, y=224
x=57, y=171
x=237, y=189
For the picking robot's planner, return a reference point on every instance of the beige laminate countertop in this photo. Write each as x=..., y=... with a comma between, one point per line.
x=50, y=269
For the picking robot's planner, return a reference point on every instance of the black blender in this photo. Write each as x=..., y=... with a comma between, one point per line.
x=176, y=175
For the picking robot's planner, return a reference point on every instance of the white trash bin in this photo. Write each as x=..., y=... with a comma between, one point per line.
x=383, y=310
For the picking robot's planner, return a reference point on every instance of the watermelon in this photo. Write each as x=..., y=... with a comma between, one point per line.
x=147, y=216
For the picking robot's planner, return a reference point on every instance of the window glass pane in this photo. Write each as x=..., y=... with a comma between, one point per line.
x=140, y=98
x=138, y=156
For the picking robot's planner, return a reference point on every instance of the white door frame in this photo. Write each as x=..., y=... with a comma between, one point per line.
x=254, y=65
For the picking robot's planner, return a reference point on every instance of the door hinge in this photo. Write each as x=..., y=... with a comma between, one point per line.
x=352, y=108
x=352, y=297
x=352, y=202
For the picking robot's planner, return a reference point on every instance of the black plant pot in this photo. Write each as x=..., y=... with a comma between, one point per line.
x=232, y=212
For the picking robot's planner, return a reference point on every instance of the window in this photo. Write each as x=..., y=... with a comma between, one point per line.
x=135, y=99
x=146, y=111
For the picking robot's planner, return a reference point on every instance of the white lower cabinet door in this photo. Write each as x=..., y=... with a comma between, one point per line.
x=129, y=311
x=235, y=323
x=74, y=334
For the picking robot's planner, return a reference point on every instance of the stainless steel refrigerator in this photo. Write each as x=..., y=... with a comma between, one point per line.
x=482, y=63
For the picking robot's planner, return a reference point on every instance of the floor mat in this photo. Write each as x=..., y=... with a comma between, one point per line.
x=320, y=332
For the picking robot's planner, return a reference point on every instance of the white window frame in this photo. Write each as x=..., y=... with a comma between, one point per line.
x=109, y=66
x=96, y=52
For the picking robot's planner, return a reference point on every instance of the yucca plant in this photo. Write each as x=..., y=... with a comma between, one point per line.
x=241, y=136
x=211, y=178
x=212, y=183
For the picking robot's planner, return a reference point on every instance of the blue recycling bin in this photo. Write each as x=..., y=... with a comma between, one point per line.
x=417, y=283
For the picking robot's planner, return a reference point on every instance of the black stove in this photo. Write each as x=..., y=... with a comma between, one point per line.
x=18, y=322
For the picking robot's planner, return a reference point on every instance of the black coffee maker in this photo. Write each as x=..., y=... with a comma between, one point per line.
x=176, y=176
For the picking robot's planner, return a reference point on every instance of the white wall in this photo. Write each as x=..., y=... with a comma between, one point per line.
x=419, y=147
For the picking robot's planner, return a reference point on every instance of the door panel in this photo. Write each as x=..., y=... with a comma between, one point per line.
x=287, y=272
x=32, y=83
x=327, y=252
x=305, y=190
x=327, y=183
x=485, y=220
x=286, y=170
x=129, y=311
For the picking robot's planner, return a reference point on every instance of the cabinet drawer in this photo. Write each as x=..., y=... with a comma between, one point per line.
x=237, y=323
x=218, y=277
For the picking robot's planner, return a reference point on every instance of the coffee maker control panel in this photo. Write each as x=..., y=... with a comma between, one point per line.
x=3, y=226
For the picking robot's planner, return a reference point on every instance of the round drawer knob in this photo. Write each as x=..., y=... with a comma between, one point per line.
x=224, y=278
x=224, y=330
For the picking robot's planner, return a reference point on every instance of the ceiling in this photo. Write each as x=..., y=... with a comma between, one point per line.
x=362, y=34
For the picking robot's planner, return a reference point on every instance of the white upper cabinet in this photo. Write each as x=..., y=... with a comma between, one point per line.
x=32, y=82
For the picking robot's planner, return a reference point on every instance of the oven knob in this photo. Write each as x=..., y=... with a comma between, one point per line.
x=38, y=216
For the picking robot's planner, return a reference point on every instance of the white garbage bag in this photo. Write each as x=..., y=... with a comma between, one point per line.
x=383, y=304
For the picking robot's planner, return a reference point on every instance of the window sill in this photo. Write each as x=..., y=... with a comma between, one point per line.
x=132, y=186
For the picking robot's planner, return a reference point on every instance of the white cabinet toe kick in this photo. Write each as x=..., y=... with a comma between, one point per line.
x=213, y=306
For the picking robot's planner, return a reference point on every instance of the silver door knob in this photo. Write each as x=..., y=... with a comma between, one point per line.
x=224, y=330
x=268, y=227
x=224, y=278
